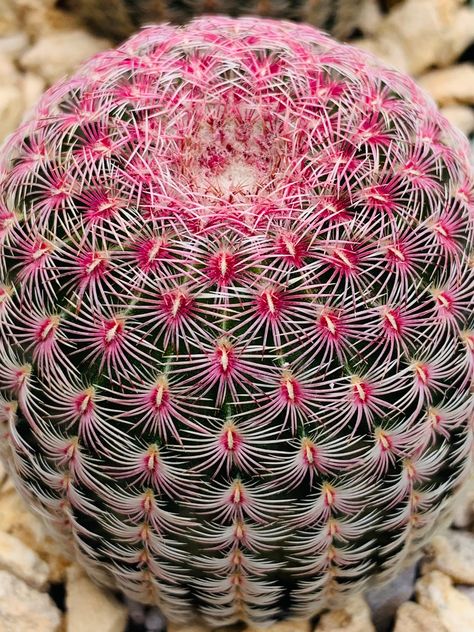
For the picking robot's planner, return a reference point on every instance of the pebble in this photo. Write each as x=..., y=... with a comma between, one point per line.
x=411, y=617
x=11, y=108
x=436, y=593
x=462, y=117
x=90, y=607
x=18, y=521
x=21, y=561
x=14, y=44
x=32, y=88
x=451, y=85
x=425, y=33
x=353, y=617
x=23, y=609
x=58, y=54
x=453, y=555
x=464, y=511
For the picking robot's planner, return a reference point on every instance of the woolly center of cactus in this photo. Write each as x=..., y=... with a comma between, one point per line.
x=232, y=156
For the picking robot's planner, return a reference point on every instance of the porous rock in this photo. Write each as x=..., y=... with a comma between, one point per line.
x=354, y=616
x=18, y=521
x=23, y=609
x=453, y=555
x=436, y=593
x=22, y=562
x=411, y=617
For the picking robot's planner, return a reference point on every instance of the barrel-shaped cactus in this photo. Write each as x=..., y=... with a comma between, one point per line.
x=236, y=310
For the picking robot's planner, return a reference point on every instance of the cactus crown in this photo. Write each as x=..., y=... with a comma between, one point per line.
x=236, y=310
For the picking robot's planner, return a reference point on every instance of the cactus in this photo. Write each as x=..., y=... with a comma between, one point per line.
x=120, y=18
x=236, y=310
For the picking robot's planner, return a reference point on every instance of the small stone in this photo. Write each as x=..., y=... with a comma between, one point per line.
x=292, y=625
x=32, y=87
x=464, y=509
x=3, y=476
x=12, y=46
x=451, y=85
x=421, y=28
x=436, y=593
x=154, y=621
x=23, y=609
x=411, y=617
x=18, y=521
x=18, y=559
x=58, y=54
x=90, y=607
x=353, y=617
x=11, y=109
x=462, y=117
x=453, y=555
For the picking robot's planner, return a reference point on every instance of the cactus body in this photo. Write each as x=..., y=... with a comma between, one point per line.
x=237, y=317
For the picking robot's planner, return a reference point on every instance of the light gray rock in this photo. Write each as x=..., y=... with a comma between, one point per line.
x=21, y=561
x=385, y=600
x=23, y=609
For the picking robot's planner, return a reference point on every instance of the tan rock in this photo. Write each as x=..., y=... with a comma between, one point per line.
x=292, y=625
x=464, y=510
x=42, y=17
x=389, y=50
x=451, y=85
x=11, y=109
x=353, y=617
x=18, y=521
x=23, y=609
x=436, y=593
x=419, y=34
x=90, y=607
x=58, y=54
x=3, y=476
x=453, y=555
x=462, y=117
x=21, y=561
x=8, y=19
x=14, y=44
x=32, y=87
x=411, y=617
x=187, y=627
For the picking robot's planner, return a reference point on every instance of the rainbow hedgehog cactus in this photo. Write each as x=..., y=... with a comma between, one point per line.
x=237, y=346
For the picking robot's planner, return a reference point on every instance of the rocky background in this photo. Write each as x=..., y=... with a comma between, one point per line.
x=40, y=589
